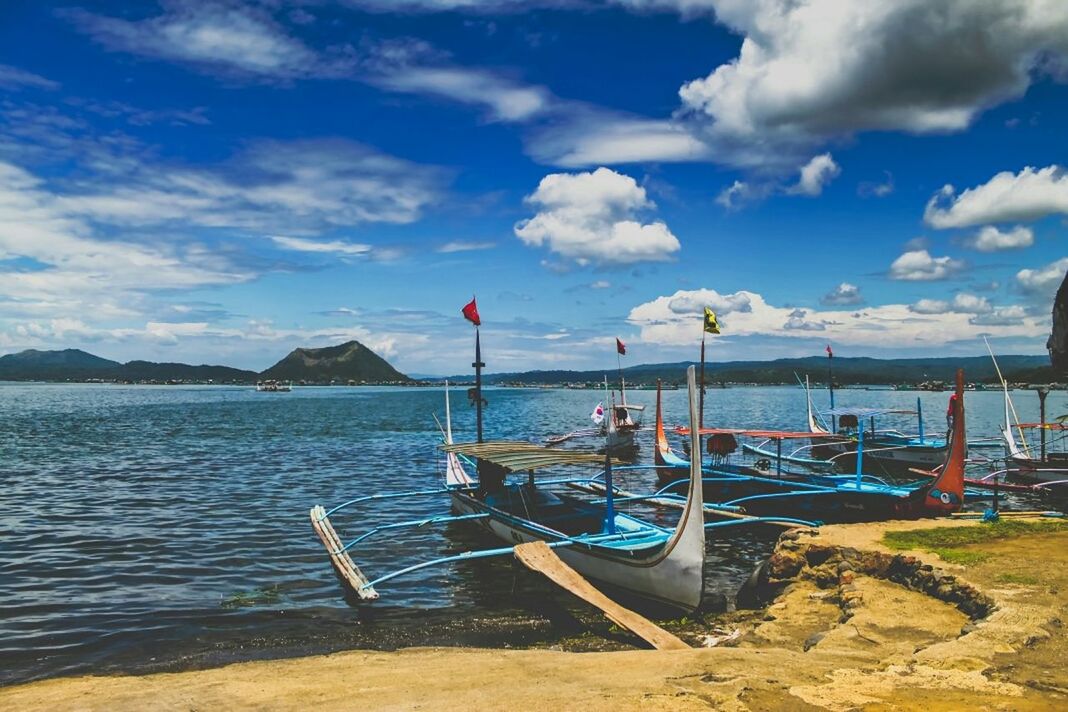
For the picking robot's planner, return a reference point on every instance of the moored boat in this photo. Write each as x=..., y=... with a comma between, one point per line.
x=653, y=562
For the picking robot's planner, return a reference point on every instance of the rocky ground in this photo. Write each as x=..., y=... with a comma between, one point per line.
x=854, y=622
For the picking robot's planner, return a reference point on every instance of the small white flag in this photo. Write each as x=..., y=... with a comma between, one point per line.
x=598, y=414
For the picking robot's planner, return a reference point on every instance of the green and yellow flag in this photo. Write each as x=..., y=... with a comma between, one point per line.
x=711, y=325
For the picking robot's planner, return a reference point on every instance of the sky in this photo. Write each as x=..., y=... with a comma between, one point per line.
x=221, y=182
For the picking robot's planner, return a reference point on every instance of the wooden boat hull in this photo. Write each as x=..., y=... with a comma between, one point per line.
x=1053, y=469
x=672, y=577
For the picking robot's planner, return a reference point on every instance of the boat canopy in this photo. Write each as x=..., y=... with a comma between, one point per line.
x=523, y=456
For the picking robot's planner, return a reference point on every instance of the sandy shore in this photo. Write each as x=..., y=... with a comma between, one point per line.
x=855, y=624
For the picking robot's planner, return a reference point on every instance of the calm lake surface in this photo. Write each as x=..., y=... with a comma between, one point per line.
x=163, y=527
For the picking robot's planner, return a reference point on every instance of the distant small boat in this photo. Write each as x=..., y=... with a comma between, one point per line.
x=273, y=386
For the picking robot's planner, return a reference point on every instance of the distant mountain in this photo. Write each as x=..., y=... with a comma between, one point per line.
x=68, y=364
x=77, y=365
x=852, y=371
x=150, y=371
x=351, y=361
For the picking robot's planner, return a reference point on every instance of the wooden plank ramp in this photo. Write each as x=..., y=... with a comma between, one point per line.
x=537, y=556
x=345, y=567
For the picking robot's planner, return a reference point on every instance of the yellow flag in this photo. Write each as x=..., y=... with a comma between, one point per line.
x=711, y=325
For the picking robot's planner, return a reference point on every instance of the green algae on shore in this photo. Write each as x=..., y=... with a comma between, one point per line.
x=947, y=542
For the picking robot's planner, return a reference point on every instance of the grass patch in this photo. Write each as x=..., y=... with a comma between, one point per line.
x=264, y=596
x=947, y=541
x=1020, y=579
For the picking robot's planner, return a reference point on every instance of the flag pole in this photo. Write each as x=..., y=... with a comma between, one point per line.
x=701, y=413
x=830, y=386
x=619, y=365
x=478, y=384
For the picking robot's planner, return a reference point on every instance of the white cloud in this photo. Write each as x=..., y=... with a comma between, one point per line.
x=992, y=239
x=815, y=174
x=580, y=136
x=328, y=246
x=893, y=326
x=218, y=36
x=920, y=266
x=600, y=284
x=15, y=78
x=694, y=302
x=845, y=294
x=1028, y=195
x=465, y=246
x=811, y=70
x=734, y=195
x=1000, y=316
x=1043, y=282
x=930, y=306
x=590, y=218
x=297, y=185
x=870, y=189
x=506, y=99
x=971, y=304
x=75, y=262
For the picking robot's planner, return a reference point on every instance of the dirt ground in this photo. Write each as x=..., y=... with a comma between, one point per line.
x=830, y=641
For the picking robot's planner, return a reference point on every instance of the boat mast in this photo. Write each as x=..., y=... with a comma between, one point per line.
x=830, y=387
x=919, y=416
x=860, y=452
x=1043, y=391
x=701, y=410
x=478, y=384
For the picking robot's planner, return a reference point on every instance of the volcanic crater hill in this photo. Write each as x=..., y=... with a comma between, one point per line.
x=350, y=361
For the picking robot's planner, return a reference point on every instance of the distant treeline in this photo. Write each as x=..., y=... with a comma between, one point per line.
x=846, y=371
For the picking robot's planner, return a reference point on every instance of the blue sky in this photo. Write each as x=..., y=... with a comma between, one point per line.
x=224, y=181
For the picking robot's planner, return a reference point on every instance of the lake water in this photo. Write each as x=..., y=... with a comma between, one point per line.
x=161, y=527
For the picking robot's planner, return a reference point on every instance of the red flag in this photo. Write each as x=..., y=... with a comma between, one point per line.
x=621, y=348
x=830, y=354
x=471, y=313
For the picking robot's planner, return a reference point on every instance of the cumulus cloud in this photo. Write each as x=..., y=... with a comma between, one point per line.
x=796, y=321
x=888, y=326
x=694, y=302
x=845, y=294
x=810, y=70
x=1043, y=281
x=1000, y=316
x=992, y=239
x=815, y=174
x=920, y=266
x=1028, y=195
x=590, y=218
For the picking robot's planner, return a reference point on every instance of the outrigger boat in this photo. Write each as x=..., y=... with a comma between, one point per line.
x=273, y=386
x=653, y=562
x=835, y=499
x=1045, y=465
x=890, y=452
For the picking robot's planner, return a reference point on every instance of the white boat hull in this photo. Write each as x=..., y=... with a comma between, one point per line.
x=670, y=573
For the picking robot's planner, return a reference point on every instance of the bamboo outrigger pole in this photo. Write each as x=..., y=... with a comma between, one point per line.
x=701, y=410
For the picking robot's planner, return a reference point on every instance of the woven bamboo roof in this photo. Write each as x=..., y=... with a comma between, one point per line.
x=522, y=456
